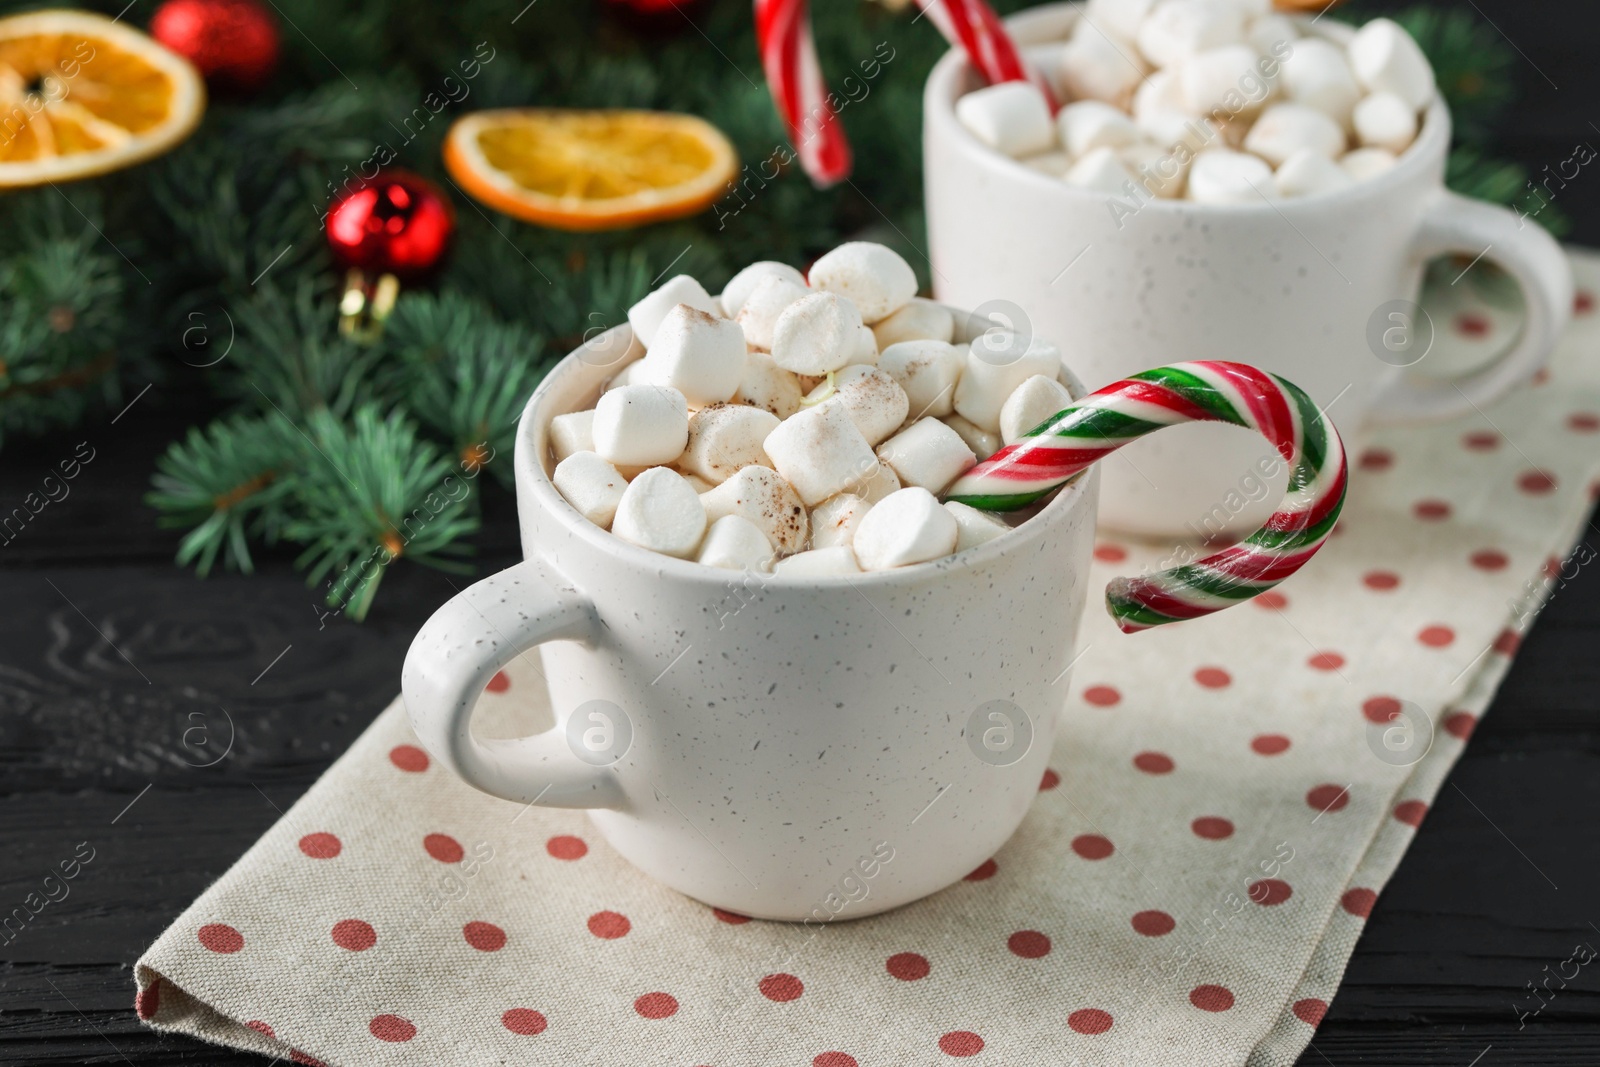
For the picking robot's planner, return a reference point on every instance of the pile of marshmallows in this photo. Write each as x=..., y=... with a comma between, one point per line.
x=805, y=429
x=1218, y=101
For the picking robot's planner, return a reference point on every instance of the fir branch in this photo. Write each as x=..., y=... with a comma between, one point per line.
x=290, y=358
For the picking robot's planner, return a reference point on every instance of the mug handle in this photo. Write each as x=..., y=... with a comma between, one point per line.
x=1454, y=224
x=457, y=651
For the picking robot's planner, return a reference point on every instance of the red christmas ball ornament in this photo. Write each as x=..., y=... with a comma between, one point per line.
x=397, y=223
x=234, y=43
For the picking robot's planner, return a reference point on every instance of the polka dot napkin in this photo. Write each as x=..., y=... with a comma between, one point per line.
x=1225, y=802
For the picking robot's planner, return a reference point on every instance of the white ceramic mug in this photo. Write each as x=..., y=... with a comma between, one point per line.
x=1307, y=288
x=789, y=749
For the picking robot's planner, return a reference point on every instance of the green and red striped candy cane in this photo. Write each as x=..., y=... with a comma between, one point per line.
x=1069, y=442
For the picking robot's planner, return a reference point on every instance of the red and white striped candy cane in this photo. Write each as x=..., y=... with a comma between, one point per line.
x=789, y=56
x=972, y=26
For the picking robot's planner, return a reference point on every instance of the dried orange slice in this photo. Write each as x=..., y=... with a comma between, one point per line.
x=81, y=95
x=589, y=170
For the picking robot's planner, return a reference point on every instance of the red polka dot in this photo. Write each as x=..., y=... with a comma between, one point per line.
x=354, y=934
x=781, y=988
x=1471, y=324
x=1380, y=710
x=1536, y=483
x=961, y=1043
x=1269, y=744
x=305, y=1059
x=1459, y=724
x=1507, y=642
x=1380, y=580
x=1102, y=696
x=220, y=937
x=1582, y=302
x=656, y=1005
x=1583, y=422
x=1436, y=636
x=985, y=870
x=1376, y=459
x=444, y=848
x=1213, y=677
x=907, y=966
x=1552, y=568
x=1211, y=997
x=1154, y=763
x=1089, y=1021
x=1271, y=601
x=524, y=1021
x=1327, y=798
x=566, y=847
x=1411, y=812
x=265, y=1029
x=835, y=1059
x=1153, y=923
x=392, y=1028
x=729, y=917
x=1212, y=827
x=1310, y=1011
x=409, y=758
x=1270, y=892
x=1431, y=510
x=1029, y=944
x=499, y=683
x=1092, y=846
x=1481, y=441
x=320, y=846
x=485, y=937
x=1326, y=661
x=1050, y=780
x=1490, y=559
x=609, y=925
x=148, y=1000
x=1358, y=902
x=1110, y=553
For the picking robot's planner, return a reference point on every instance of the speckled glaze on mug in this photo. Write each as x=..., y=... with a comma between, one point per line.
x=800, y=749
x=1292, y=286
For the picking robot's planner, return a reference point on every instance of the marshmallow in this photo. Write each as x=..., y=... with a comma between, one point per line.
x=1308, y=172
x=1029, y=404
x=758, y=314
x=1121, y=17
x=865, y=348
x=591, y=485
x=974, y=527
x=1158, y=171
x=1223, y=176
x=1387, y=60
x=735, y=544
x=879, y=482
x=820, y=452
x=815, y=334
x=641, y=425
x=1010, y=117
x=697, y=483
x=927, y=371
x=1383, y=120
x=818, y=563
x=873, y=400
x=768, y=386
x=1284, y=129
x=572, y=433
x=1095, y=66
x=1176, y=29
x=928, y=454
x=983, y=443
x=626, y=376
x=724, y=438
x=997, y=363
x=659, y=511
x=761, y=497
x=1101, y=171
x=647, y=314
x=1162, y=114
x=701, y=356
x=1225, y=79
x=1316, y=74
x=1090, y=124
x=741, y=285
x=1367, y=162
x=872, y=277
x=1054, y=164
x=833, y=522
x=920, y=320
x=904, y=528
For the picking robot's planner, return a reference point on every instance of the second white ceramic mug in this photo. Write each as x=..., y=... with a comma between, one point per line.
x=1308, y=288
